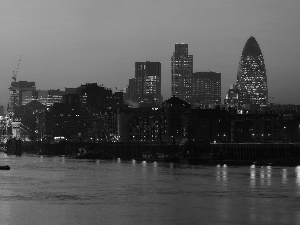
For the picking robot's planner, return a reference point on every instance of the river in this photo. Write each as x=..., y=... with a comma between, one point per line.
x=60, y=190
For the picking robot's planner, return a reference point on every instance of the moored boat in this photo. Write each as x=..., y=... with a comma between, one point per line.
x=6, y=167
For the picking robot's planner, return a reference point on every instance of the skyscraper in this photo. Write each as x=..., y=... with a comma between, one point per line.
x=206, y=88
x=181, y=69
x=148, y=83
x=251, y=75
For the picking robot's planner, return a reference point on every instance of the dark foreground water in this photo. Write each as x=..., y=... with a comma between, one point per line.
x=58, y=190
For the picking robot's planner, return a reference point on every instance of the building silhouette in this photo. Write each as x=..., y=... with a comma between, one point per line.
x=251, y=75
x=148, y=84
x=181, y=69
x=206, y=89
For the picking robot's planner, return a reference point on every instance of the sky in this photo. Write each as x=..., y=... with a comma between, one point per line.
x=72, y=42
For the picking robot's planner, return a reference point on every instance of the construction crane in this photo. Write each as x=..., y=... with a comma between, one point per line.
x=14, y=96
x=15, y=72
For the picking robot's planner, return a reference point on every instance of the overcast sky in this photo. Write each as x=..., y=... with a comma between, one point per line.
x=66, y=43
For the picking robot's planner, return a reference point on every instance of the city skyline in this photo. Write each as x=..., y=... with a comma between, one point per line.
x=66, y=44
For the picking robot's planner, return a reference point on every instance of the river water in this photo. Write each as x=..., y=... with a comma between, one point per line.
x=59, y=190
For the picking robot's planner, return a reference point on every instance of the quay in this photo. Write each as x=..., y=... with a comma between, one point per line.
x=199, y=153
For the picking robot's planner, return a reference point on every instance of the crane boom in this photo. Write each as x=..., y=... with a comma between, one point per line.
x=15, y=72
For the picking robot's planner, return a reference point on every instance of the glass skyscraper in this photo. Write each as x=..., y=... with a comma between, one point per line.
x=182, y=70
x=251, y=75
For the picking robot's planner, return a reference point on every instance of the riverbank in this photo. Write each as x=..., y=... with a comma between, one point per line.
x=235, y=154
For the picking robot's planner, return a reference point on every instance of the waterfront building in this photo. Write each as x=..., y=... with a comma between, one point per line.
x=16, y=90
x=181, y=69
x=251, y=75
x=174, y=109
x=207, y=125
x=88, y=113
x=142, y=125
x=206, y=89
x=148, y=84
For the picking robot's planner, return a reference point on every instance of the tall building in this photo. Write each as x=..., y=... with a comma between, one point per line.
x=251, y=75
x=16, y=90
x=181, y=69
x=148, y=83
x=206, y=88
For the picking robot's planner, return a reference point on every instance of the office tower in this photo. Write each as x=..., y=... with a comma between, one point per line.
x=16, y=90
x=251, y=75
x=29, y=96
x=93, y=95
x=206, y=88
x=148, y=84
x=49, y=97
x=181, y=69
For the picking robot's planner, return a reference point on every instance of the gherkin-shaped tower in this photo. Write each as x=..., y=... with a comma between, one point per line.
x=251, y=75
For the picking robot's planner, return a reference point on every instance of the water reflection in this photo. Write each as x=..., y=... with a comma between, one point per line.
x=221, y=174
x=262, y=175
x=284, y=176
x=76, y=191
x=252, y=211
x=297, y=171
x=252, y=176
x=269, y=175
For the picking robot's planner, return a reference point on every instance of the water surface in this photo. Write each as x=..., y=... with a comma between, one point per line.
x=59, y=190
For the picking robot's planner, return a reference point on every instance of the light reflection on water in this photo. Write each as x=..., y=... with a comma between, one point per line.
x=297, y=171
x=252, y=176
x=141, y=192
x=284, y=176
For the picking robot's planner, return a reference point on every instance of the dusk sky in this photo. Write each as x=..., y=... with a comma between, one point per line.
x=66, y=43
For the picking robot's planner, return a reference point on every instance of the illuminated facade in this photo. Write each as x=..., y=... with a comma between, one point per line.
x=206, y=88
x=49, y=97
x=251, y=75
x=182, y=69
x=148, y=83
x=28, y=96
